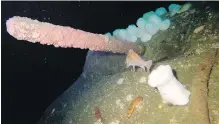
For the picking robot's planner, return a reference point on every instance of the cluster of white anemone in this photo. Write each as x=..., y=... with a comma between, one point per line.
x=146, y=26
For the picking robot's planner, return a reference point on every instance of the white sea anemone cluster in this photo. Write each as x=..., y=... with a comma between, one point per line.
x=147, y=25
x=144, y=29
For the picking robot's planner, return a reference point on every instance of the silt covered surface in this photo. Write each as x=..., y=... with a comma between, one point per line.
x=106, y=83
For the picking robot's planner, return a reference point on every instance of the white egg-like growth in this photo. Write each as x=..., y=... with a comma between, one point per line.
x=146, y=26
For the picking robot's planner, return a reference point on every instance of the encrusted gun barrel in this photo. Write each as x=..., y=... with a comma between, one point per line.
x=23, y=28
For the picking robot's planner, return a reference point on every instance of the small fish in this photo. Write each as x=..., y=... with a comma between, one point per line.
x=133, y=59
x=98, y=114
x=133, y=104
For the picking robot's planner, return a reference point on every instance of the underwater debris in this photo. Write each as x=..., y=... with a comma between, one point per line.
x=98, y=122
x=199, y=29
x=133, y=105
x=160, y=106
x=115, y=122
x=192, y=11
x=133, y=59
x=129, y=97
x=215, y=45
x=185, y=7
x=53, y=110
x=98, y=114
x=120, y=81
x=143, y=80
x=120, y=104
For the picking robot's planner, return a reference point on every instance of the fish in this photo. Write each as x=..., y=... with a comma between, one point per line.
x=133, y=59
x=133, y=105
x=98, y=114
